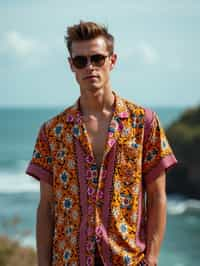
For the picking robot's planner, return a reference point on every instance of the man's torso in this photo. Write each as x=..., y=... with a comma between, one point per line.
x=97, y=130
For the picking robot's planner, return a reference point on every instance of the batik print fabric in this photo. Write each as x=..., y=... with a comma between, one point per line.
x=103, y=207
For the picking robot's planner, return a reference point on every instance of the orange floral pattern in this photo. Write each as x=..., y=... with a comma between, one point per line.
x=104, y=208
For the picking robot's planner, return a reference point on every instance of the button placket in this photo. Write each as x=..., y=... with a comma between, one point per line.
x=96, y=186
x=92, y=177
x=100, y=202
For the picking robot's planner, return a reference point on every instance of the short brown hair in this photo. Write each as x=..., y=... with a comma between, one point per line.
x=88, y=31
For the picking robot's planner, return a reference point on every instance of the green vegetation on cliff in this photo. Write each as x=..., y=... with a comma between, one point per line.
x=12, y=254
x=184, y=137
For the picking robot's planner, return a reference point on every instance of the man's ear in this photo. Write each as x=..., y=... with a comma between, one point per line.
x=113, y=60
x=70, y=63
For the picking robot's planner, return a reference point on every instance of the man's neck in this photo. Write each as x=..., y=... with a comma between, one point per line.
x=97, y=103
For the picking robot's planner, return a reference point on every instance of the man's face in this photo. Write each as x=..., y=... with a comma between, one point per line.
x=92, y=77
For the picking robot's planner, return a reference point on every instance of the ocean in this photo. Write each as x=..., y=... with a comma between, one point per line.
x=19, y=193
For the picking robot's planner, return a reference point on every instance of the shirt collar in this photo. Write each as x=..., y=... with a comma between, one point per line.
x=120, y=110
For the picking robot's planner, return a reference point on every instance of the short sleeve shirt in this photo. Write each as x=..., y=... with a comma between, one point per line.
x=104, y=209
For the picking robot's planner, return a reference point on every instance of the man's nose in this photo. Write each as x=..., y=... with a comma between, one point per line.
x=89, y=63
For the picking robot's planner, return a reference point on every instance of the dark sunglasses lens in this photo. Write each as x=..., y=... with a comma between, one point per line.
x=79, y=61
x=98, y=59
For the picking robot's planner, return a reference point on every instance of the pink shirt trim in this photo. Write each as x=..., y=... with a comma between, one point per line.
x=149, y=115
x=39, y=173
x=139, y=243
x=83, y=201
x=165, y=164
x=107, y=201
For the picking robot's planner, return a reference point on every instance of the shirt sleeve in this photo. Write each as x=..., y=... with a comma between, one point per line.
x=40, y=166
x=157, y=153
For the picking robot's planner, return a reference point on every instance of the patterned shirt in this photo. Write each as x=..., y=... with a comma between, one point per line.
x=106, y=208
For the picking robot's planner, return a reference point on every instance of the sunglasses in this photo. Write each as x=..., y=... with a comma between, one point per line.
x=81, y=61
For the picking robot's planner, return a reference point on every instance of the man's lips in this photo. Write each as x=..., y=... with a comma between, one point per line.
x=90, y=77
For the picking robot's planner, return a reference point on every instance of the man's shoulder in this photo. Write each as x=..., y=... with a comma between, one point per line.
x=139, y=110
x=132, y=106
x=59, y=119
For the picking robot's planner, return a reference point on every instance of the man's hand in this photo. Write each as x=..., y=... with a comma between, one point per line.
x=151, y=261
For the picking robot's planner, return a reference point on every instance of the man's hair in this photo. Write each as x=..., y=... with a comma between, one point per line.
x=88, y=31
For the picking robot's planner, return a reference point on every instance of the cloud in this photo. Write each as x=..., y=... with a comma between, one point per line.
x=17, y=43
x=19, y=50
x=147, y=53
x=141, y=53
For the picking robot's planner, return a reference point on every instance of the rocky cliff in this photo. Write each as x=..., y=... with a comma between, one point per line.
x=184, y=137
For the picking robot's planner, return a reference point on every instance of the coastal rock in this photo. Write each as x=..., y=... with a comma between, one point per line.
x=184, y=137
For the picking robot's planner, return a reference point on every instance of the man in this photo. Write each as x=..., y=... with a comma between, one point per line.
x=101, y=165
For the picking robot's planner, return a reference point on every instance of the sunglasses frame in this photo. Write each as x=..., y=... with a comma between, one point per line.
x=90, y=60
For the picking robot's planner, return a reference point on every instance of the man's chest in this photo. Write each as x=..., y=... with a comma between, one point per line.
x=97, y=133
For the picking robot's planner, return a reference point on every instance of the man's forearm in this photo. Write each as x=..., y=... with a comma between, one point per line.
x=44, y=236
x=156, y=223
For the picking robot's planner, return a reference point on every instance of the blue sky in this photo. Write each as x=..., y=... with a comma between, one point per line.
x=157, y=43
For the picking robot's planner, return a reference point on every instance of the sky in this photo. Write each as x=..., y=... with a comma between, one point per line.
x=157, y=43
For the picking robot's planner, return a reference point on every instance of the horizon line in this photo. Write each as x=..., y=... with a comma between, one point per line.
x=67, y=105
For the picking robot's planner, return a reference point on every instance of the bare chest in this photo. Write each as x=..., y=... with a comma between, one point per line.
x=97, y=131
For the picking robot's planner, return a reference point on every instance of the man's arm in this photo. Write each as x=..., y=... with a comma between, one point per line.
x=156, y=218
x=45, y=225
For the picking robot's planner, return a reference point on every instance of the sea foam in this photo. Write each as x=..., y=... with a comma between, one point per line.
x=17, y=182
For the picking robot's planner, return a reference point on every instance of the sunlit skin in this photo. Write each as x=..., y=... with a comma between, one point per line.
x=94, y=82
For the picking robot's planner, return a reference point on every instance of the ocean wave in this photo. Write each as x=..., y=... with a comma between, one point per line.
x=17, y=182
x=181, y=206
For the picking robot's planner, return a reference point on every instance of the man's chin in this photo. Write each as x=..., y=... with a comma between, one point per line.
x=93, y=88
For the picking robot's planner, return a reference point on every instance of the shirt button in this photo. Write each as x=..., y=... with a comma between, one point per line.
x=100, y=194
x=92, y=219
x=90, y=191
